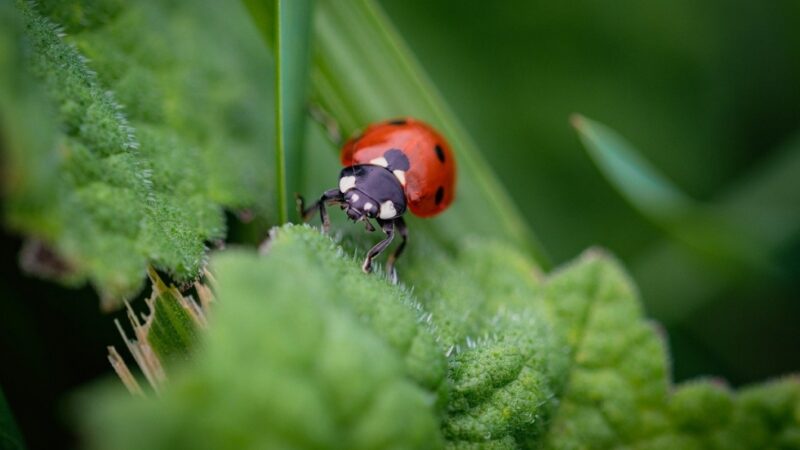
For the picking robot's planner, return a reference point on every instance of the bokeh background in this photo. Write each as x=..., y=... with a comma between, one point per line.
x=709, y=92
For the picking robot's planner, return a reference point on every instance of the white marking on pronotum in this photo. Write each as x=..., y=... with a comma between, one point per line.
x=380, y=161
x=355, y=197
x=401, y=175
x=347, y=183
x=387, y=210
x=368, y=206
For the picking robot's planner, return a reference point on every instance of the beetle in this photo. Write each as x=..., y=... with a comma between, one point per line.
x=393, y=166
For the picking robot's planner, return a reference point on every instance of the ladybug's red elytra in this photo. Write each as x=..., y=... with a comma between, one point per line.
x=391, y=166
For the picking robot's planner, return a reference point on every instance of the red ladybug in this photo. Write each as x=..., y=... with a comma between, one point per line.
x=391, y=166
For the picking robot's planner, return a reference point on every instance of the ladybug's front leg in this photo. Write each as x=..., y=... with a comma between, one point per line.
x=330, y=196
x=388, y=228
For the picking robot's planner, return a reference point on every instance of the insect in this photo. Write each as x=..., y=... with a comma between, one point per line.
x=392, y=166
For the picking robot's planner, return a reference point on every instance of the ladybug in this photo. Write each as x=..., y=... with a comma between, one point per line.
x=392, y=166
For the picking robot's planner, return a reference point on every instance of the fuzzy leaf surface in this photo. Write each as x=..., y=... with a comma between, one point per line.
x=154, y=137
x=324, y=358
x=485, y=353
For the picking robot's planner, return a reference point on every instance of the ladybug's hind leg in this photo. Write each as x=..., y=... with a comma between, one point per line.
x=402, y=229
x=329, y=196
x=388, y=228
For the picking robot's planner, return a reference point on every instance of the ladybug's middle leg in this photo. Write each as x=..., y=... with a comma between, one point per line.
x=388, y=228
x=402, y=229
x=329, y=196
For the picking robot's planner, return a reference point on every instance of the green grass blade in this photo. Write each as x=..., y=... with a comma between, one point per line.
x=639, y=182
x=292, y=25
x=726, y=243
x=362, y=71
x=10, y=437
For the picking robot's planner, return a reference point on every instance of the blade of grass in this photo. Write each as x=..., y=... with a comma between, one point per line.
x=362, y=72
x=713, y=235
x=633, y=176
x=292, y=40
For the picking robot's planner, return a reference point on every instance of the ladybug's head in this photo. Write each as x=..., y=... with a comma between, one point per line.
x=371, y=192
x=358, y=204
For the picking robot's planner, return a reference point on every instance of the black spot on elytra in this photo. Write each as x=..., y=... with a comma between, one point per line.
x=396, y=159
x=439, y=152
x=397, y=122
x=439, y=195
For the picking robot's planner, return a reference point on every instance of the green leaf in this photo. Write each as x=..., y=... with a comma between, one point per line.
x=616, y=384
x=28, y=127
x=172, y=328
x=156, y=137
x=506, y=362
x=708, y=415
x=730, y=245
x=305, y=351
x=293, y=35
x=618, y=394
x=167, y=335
x=362, y=72
x=10, y=437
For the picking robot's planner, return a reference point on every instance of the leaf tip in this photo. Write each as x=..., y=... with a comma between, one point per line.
x=577, y=121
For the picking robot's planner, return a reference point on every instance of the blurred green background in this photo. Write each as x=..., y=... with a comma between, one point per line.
x=709, y=92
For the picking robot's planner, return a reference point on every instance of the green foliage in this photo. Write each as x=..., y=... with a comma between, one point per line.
x=173, y=325
x=142, y=146
x=163, y=337
x=305, y=351
x=155, y=137
x=327, y=358
x=505, y=360
x=291, y=49
x=617, y=378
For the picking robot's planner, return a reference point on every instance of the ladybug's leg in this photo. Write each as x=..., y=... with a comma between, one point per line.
x=400, y=226
x=329, y=196
x=368, y=224
x=388, y=228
